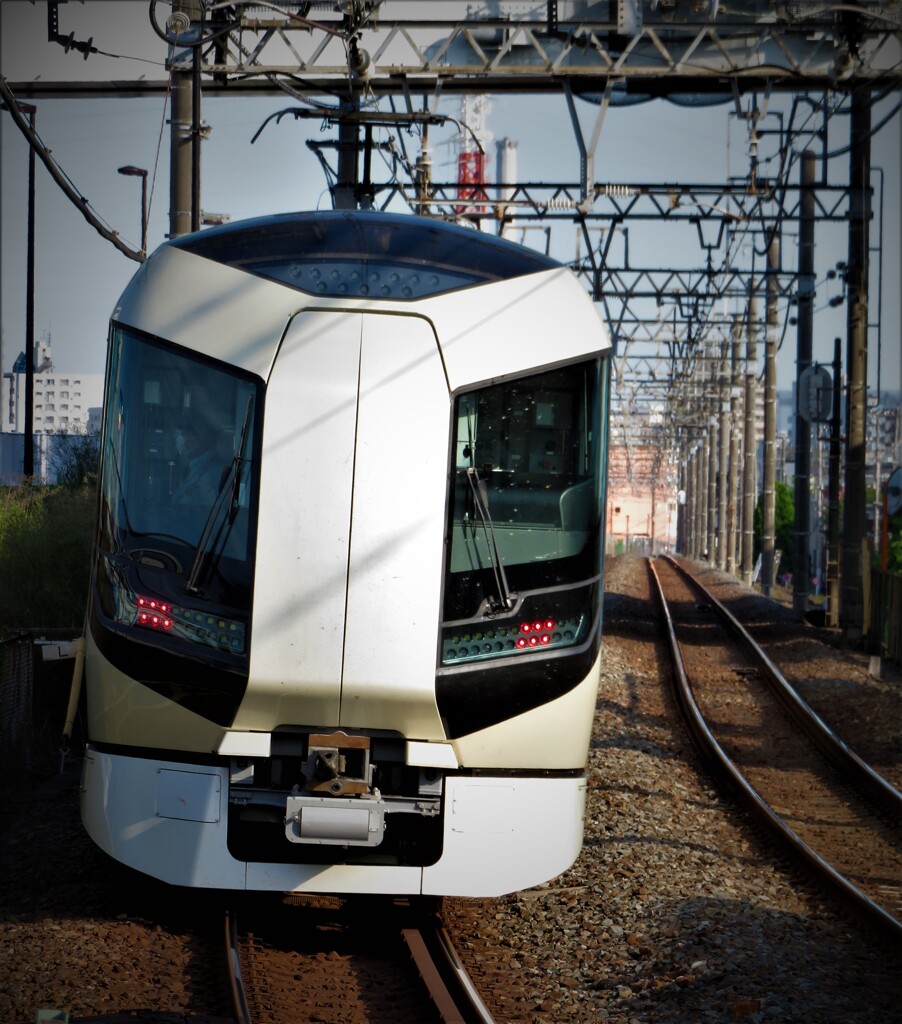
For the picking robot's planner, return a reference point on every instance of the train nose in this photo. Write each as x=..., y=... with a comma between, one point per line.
x=349, y=550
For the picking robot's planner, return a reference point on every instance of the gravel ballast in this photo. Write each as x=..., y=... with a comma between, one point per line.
x=677, y=910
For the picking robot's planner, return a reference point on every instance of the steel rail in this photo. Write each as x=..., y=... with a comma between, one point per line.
x=879, y=789
x=440, y=968
x=240, y=1008
x=443, y=973
x=872, y=912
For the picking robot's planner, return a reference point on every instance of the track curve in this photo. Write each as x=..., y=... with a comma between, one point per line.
x=849, y=839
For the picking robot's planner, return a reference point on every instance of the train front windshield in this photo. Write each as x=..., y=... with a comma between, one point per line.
x=524, y=531
x=177, y=496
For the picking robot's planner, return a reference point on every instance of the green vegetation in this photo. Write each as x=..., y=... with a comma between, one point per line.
x=784, y=524
x=45, y=545
x=894, y=548
x=75, y=458
x=784, y=527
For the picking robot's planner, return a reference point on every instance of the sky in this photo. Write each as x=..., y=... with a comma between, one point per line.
x=80, y=275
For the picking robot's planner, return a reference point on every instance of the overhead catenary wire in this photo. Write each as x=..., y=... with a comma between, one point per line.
x=61, y=178
x=156, y=161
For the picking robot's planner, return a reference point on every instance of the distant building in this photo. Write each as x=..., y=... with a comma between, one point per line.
x=64, y=404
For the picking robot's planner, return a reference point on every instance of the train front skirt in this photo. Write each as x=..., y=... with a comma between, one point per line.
x=169, y=819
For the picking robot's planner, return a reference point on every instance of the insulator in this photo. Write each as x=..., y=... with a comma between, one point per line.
x=616, y=191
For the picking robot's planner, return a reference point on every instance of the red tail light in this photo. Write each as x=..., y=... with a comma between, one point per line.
x=497, y=641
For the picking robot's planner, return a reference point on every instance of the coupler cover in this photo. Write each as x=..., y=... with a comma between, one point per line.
x=329, y=821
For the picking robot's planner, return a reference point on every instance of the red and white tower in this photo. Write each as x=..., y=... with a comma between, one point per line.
x=472, y=157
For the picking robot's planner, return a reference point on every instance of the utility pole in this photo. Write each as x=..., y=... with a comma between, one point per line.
x=712, y=487
x=833, y=474
x=723, y=437
x=711, y=407
x=694, y=502
x=28, y=453
x=682, y=542
x=854, y=562
x=344, y=193
x=349, y=192
x=195, y=137
x=800, y=570
x=184, y=163
x=18, y=109
x=750, y=465
x=768, y=510
x=703, y=462
x=736, y=405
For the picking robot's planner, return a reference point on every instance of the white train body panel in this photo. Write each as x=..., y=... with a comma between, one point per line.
x=169, y=820
x=240, y=320
x=309, y=671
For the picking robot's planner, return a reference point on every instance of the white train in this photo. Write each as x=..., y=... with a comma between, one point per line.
x=344, y=627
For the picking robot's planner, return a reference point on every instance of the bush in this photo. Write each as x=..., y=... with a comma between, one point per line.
x=74, y=458
x=894, y=548
x=45, y=551
x=784, y=524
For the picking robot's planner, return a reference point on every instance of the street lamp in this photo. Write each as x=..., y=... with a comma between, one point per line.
x=139, y=172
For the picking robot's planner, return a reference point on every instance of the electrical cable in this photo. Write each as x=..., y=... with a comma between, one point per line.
x=876, y=128
x=291, y=15
x=61, y=178
x=156, y=162
x=865, y=13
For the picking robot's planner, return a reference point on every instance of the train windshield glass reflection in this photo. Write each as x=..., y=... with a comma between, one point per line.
x=535, y=447
x=178, y=471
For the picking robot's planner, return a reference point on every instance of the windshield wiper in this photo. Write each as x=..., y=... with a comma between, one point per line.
x=230, y=485
x=481, y=503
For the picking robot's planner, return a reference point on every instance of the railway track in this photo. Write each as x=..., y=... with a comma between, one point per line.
x=831, y=809
x=339, y=961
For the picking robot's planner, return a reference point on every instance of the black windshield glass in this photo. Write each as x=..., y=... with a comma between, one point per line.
x=177, y=494
x=372, y=255
x=535, y=445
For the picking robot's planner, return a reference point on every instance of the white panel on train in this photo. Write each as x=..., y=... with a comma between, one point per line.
x=302, y=546
x=394, y=579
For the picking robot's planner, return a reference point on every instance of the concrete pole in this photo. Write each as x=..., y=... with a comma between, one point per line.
x=854, y=563
x=28, y=439
x=723, y=476
x=681, y=504
x=749, y=483
x=344, y=192
x=704, y=460
x=801, y=556
x=712, y=489
x=181, y=140
x=833, y=475
x=768, y=510
x=697, y=501
x=734, y=551
x=195, y=139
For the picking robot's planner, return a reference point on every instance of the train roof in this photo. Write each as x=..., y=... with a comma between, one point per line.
x=355, y=253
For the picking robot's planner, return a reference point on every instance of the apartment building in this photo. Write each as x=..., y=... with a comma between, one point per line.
x=65, y=404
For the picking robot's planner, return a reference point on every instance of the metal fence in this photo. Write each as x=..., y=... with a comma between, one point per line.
x=35, y=680
x=886, y=615
x=16, y=712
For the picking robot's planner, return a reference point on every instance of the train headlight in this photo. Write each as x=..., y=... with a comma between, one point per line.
x=193, y=624
x=482, y=641
x=153, y=614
